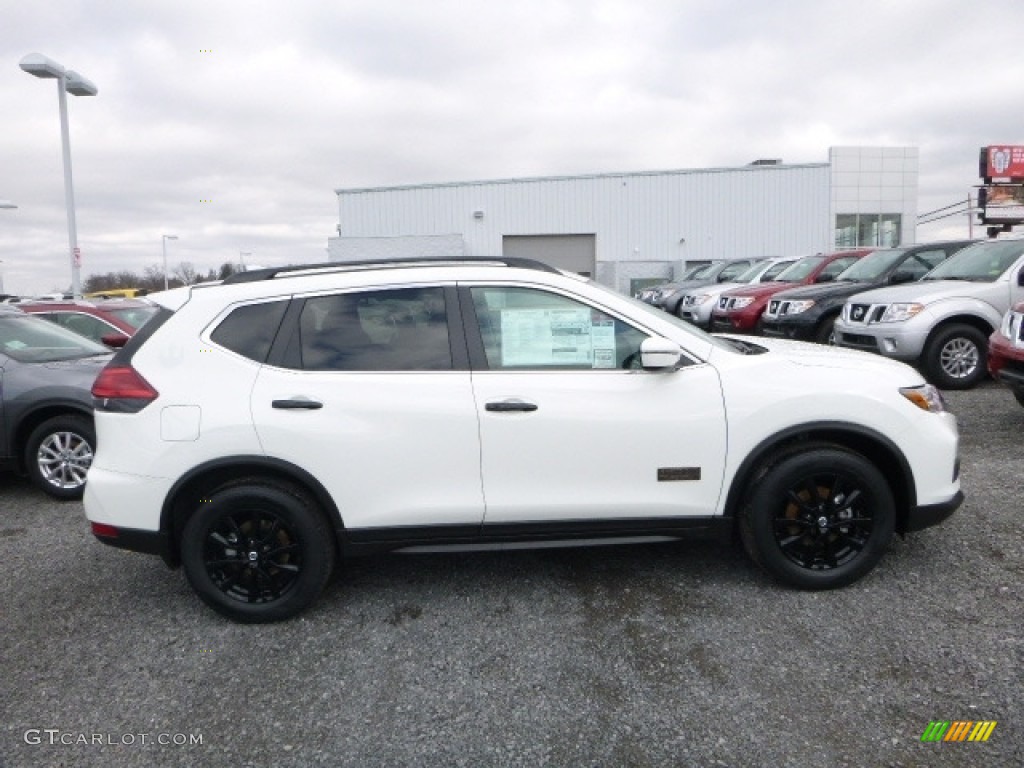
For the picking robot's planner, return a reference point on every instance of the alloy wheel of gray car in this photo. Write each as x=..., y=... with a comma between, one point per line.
x=58, y=455
x=956, y=357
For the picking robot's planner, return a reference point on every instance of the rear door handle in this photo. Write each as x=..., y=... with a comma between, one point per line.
x=297, y=404
x=510, y=406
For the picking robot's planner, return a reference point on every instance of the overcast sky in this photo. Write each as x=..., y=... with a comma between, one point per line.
x=230, y=124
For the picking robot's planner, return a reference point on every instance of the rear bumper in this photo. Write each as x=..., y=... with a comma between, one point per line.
x=147, y=542
x=928, y=515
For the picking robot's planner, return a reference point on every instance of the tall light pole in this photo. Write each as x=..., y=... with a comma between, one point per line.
x=68, y=81
x=4, y=204
x=165, y=239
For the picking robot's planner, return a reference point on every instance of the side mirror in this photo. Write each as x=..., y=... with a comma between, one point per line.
x=901, y=276
x=825, y=277
x=115, y=340
x=657, y=353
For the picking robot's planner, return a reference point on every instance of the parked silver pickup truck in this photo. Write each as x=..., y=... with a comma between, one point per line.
x=943, y=321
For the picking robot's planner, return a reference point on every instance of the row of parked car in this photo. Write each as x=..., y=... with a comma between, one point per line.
x=951, y=308
x=50, y=354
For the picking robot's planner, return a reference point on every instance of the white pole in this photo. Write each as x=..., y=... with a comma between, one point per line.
x=165, y=239
x=69, y=192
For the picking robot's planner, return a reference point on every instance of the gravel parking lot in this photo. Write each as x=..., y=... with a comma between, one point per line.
x=668, y=655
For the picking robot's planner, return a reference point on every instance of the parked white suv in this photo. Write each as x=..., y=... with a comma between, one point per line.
x=258, y=430
x=943, y=320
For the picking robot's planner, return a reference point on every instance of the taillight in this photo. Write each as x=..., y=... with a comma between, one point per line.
x=120, y=388
x=104, y=531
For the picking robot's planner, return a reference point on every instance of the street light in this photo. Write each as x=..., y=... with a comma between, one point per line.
x=68, y=81
x=165, y=239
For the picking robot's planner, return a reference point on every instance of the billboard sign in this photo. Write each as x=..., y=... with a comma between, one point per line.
x=1003, y=203
x=1002, y=162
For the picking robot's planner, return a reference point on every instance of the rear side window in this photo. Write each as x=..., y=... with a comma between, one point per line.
x=386, y=330
x=250, y=330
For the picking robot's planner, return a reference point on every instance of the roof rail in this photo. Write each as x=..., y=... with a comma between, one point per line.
x=296, y=270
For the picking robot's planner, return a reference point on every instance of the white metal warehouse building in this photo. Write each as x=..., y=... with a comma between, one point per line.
x=630, y=228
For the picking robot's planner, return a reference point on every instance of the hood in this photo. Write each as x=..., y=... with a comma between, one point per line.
x=716, y=289
x=820, y=355
x=839, y=289
x=928, y=291
x=762, y=289
x=688, y=285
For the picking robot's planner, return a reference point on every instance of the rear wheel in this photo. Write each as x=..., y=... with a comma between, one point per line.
x=257, y=552
x=58, y=455
x=818, y=519
x=956, y=357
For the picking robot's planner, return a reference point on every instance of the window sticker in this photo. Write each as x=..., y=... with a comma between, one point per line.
x=556, y=337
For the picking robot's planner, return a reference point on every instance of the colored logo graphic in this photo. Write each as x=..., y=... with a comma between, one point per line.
x=958, y=730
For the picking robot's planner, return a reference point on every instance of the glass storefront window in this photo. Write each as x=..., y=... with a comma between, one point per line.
x=855, y=230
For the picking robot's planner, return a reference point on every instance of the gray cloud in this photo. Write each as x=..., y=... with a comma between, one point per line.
x=297, y=99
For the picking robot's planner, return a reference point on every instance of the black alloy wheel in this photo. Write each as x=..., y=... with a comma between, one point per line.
x=819, y=518
x=257, y=552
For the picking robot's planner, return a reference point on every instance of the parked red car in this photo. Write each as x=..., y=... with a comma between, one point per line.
x=1006, y=351
x=740, y=310
x=111, y=322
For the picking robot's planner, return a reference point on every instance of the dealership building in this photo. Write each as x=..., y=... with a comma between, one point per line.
x=627, y=229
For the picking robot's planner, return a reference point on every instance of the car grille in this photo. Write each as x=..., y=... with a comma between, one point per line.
x=726, y=303
x=863, y=313
x=688, y=301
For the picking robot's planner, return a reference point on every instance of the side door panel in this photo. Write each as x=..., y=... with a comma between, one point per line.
x=566, y=438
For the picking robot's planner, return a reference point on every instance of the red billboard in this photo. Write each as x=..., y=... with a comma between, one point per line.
x=1004, y=161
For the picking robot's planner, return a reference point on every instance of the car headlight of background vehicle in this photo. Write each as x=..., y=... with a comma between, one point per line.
x=742, y=301
x=1011, y=326
x=702, y=298
x=796, y=307
x=897, y=313
x=926, y=397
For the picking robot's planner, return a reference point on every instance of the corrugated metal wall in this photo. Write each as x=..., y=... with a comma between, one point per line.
x=643, y=217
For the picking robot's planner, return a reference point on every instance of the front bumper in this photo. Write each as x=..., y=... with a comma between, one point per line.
x=901, y=341
x=927, y=515
x=790, y=328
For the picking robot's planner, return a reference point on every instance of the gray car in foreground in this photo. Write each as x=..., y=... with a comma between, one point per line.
x=46, y=425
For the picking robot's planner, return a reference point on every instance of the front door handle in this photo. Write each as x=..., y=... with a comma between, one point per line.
x=297, y=404
x=510, y=406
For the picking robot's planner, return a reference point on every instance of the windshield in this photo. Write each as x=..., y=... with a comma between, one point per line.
x=773, y=272
x=800, y=270
x=34, y=340
x=874, y=266
x=136, y=317
x=982, y=263
x=705, y=271
x=750, y=273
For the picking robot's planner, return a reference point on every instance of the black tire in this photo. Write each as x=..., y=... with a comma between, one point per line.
x=956, y=357
x=58, y=455
x=257, y=551
x=825, y=334
x=1019, y=395
x=818, y=518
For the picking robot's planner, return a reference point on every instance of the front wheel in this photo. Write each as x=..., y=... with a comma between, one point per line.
x=818, y=519
x=257, y=552
x=58, y=455
x=956, y=357
x=826, y=333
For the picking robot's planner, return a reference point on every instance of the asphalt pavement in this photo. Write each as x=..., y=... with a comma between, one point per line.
x=662, y=655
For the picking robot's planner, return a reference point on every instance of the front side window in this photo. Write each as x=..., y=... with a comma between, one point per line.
x=84, y=325
x=732, y=271
x=390, y=330
x=524, y=328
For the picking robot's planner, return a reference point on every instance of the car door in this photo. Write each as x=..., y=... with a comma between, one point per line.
x=369, y=391
x=572, y=429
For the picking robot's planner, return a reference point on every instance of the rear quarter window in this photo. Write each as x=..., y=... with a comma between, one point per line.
x=250, y=330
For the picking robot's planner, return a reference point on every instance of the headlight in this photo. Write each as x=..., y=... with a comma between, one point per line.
x=926, y=397
x=897, y=313
x=702, y=298
x=742, y=301
x=1011, y=326
x=796, y=307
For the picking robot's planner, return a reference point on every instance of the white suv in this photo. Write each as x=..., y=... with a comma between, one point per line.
x=258, y=430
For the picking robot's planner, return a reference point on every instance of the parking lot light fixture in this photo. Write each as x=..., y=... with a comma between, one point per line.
x=68, y=81
x=165, y=239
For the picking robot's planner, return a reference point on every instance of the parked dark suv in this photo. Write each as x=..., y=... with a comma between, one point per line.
x=46, y=425
x=809, y=312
